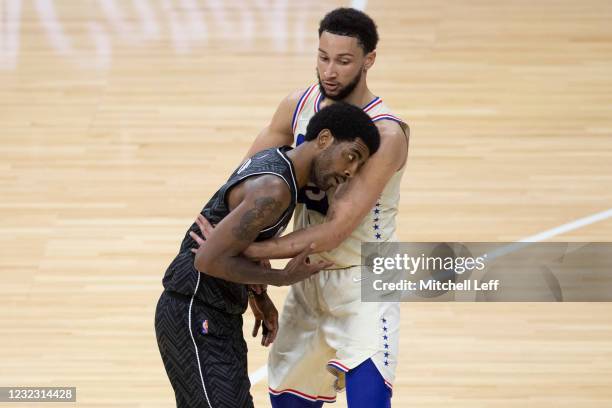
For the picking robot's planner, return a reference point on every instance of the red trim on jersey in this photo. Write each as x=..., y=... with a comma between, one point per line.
x=376, y=103
x=338, y=365
x=302, y=395
x=386, y=116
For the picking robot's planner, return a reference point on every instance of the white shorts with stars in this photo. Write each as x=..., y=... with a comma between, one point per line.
x=326, y=330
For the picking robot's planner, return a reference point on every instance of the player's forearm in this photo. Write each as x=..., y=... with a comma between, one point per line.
x=325, y=237
x=239, y=270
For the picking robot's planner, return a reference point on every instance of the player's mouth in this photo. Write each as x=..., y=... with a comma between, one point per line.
x=333, y=182
x=331, y=86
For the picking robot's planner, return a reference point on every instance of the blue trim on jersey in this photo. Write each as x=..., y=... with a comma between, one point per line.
x=373, y=101
x=388, y=118
x=294, y=401
x=299, y=140
x=320, y=97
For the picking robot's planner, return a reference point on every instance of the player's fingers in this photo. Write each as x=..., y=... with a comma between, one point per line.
x=206, y=226
x=267, y=340
x=316, y=267
x=199, y=223
x=196, y=238
x=271, y=338
x=256, y=327
x=303, y=256
x=273, y=327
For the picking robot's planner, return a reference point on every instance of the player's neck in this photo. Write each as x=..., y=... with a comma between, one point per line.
x=360, y=96
x=302, y=158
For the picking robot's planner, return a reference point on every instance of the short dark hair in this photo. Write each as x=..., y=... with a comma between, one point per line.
x=352, y=23
x=346, y=122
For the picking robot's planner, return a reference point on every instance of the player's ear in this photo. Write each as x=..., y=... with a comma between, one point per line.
x=370, y=58
x=325, y=139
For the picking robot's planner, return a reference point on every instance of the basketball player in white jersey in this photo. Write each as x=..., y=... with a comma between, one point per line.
x=328, y=339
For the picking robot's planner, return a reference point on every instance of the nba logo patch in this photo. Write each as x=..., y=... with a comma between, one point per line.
x=204, y=328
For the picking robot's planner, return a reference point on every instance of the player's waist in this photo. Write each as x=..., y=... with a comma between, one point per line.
x=233, y=313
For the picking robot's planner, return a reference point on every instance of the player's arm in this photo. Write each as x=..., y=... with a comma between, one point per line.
x=264, y=201
x=351, y=203
x=279, y=131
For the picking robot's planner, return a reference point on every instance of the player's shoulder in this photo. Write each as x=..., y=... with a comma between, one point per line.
x=294, y=96
x=394, y=140
x=389, y=125
x=391, y=132
x=267, y=186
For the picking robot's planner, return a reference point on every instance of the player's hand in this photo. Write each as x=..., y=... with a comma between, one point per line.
x=205, y=229
x=265, y=312
x=300, y=267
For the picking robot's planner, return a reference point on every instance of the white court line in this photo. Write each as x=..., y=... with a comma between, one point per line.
x=570, y=226
x=262, y=372
x=359, y=4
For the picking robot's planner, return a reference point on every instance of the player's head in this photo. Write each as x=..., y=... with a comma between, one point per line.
x=345, y=138
x=347, y=49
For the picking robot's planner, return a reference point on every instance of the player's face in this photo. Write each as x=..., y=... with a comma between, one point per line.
x=340, y=161
x=340, y=64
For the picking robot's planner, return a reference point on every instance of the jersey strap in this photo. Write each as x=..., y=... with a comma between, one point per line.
x=300, y=106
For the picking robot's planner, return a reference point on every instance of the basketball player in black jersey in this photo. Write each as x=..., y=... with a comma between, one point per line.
x=198, y=320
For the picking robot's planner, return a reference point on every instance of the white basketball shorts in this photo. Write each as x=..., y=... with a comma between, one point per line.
x=326, y=330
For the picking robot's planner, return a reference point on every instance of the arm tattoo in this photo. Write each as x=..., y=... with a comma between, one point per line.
x=252, y=221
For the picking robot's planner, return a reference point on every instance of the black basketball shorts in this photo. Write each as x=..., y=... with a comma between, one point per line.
x=204, y=353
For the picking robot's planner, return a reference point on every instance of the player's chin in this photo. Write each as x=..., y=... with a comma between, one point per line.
x=329, y=184
x=333, y=95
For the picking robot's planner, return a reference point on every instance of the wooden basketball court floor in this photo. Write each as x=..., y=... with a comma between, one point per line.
x=118, y=120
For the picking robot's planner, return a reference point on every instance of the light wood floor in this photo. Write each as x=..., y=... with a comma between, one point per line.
x=118, y=120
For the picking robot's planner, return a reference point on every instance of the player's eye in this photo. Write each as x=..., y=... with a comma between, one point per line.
x=322, y=58
x=351, y=157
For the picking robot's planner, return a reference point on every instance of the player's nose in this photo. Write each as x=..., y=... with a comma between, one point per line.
x=330, y=71
x=351, y=170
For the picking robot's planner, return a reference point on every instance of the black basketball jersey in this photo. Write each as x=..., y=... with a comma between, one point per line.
x=182, y=277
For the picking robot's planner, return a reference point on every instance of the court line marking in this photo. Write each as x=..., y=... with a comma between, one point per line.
x=570, y=226
x=262, y=372
x=359, y=4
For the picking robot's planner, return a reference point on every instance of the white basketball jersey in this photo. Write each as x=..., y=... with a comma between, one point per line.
x=379, y=225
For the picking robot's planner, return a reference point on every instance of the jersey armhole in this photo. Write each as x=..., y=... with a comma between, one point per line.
x=299, y=107
x=403, y=125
